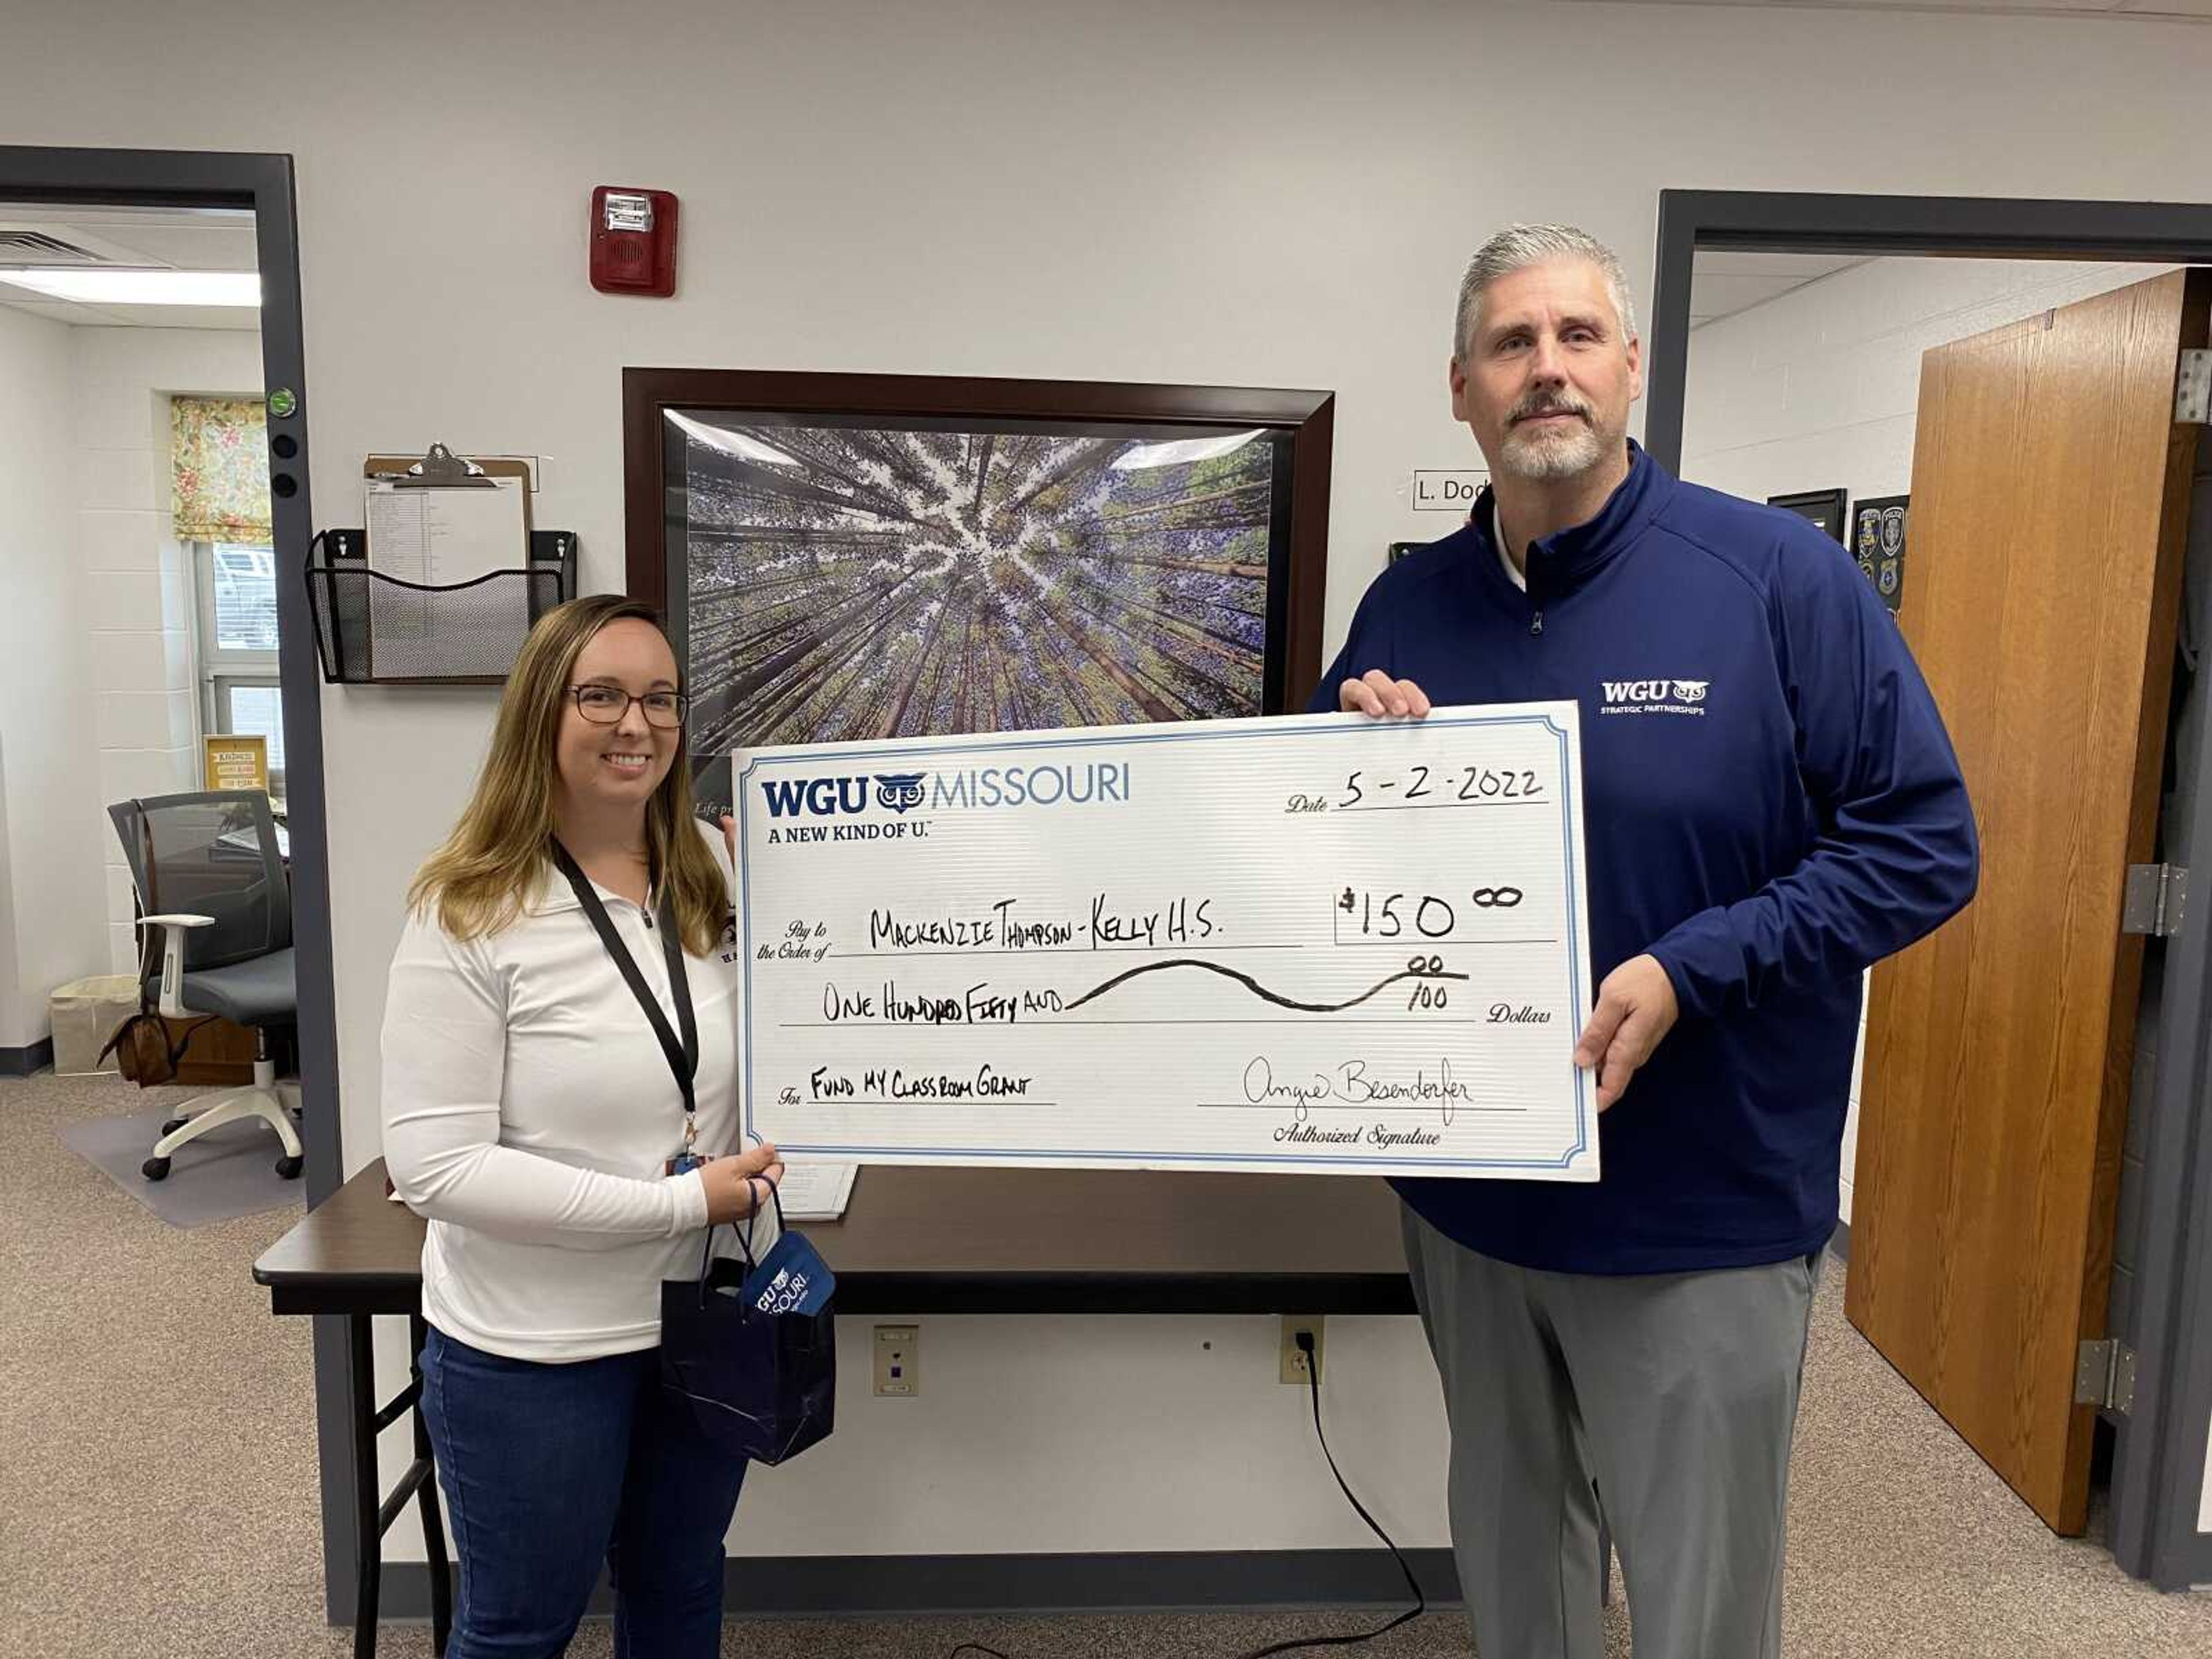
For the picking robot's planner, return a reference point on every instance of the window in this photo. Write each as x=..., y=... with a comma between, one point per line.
x=238, y=647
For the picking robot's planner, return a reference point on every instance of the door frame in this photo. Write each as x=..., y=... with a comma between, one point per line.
x=2159, y=1449
x=65, y=176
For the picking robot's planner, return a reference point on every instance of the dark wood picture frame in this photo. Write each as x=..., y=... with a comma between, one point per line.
x=1305, y=418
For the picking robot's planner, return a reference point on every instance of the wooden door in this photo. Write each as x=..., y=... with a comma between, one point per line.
x=2049, y=508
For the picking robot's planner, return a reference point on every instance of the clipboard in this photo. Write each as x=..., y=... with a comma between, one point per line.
x=441, y=468
x=430, y=546
x=393, y=464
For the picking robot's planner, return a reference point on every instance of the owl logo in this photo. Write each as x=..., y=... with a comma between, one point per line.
x=899, y=791
x=1691, y=690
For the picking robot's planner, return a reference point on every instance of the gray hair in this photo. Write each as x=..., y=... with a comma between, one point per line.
x=1518, y=246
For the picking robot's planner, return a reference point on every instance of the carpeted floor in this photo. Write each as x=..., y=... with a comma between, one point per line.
x=151, y=1503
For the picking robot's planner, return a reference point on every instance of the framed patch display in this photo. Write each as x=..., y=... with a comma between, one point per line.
x=1877, y=543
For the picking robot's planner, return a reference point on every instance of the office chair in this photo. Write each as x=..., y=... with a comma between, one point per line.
x=212, y=887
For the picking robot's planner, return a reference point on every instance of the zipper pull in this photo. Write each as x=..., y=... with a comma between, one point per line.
x=1536, y=623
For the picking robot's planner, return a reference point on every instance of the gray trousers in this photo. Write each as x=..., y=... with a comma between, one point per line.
x=1675, y=1393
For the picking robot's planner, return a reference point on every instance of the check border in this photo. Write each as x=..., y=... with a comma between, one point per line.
x=911, y=750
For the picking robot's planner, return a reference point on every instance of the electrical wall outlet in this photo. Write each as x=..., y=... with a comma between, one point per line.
x=1294, y=1362
x=898, y=1360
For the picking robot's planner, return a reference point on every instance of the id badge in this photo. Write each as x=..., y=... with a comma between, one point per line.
x=791, y=1279
x=684, y=1162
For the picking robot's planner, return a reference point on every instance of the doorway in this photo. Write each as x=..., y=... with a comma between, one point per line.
x=1723, y=254
x=260, y=666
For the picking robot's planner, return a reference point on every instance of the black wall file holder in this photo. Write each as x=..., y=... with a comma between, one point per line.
x=375, y=630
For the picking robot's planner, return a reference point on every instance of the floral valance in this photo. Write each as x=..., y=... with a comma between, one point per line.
x=220, y=447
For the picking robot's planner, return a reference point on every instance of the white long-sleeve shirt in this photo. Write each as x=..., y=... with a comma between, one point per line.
x=529, y=1114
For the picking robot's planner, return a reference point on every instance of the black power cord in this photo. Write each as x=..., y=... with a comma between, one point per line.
x=1305, y=1346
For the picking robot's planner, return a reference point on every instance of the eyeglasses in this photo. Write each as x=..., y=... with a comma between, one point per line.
x=605, y=705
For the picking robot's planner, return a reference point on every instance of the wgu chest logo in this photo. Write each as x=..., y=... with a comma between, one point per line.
x=1655, y=696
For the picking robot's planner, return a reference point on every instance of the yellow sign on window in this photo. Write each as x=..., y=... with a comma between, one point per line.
x=236, y=763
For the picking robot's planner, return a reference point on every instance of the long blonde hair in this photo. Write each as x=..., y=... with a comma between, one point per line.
x=497, y=854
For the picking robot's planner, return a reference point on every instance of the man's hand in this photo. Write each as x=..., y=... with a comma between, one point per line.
x=1378, y=696
x=1636, y=1007
x=733, y=1184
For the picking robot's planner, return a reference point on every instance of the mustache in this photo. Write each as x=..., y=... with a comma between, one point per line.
x=1536, y=406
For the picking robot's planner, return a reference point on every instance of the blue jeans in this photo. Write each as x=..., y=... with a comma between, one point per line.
x=549, y=1469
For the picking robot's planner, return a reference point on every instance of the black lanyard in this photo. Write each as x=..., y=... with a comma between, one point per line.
x=683, y=1057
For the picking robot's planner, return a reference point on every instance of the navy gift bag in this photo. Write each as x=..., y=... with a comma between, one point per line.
x=752, y=1344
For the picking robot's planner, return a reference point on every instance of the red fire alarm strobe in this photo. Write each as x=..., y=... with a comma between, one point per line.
x=633, y=241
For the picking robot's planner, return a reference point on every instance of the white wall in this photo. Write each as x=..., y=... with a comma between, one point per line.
x=1256, y=192
x=1820, y=388
x=49, y=927
x=138, y=578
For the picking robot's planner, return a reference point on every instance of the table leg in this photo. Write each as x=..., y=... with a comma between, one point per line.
x=369, y=1538
x=426, y=1497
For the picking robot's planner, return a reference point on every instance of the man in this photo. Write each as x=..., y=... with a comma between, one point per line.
x=1772, y=805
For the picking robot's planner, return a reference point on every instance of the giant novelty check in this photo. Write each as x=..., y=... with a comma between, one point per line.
x=1320, y=942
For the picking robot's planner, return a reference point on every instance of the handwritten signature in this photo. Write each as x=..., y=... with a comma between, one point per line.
x=1351, y=1082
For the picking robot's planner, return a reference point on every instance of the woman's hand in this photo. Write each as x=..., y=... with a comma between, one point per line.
x=730, y=839
x=735, y=1184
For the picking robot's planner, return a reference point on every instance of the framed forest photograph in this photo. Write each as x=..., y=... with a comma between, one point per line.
x=847, y=557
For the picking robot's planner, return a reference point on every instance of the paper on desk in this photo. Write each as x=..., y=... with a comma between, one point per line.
x=816, y=1192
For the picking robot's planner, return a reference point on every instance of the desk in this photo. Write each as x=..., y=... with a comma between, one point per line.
x=912, y=1241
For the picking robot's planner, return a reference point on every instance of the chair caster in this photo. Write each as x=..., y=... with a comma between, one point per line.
x=155, y=1168
x=172, y=1125
x=287, y=1167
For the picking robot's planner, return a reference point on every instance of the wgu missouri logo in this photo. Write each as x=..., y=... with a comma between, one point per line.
x=1655, y=696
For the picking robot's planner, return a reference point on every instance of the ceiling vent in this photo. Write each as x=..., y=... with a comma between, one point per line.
x=34, y=248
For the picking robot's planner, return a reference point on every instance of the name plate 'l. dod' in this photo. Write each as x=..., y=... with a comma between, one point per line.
x=1318, y=943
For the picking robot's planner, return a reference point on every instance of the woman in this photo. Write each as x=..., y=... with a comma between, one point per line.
x=537, y=1113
